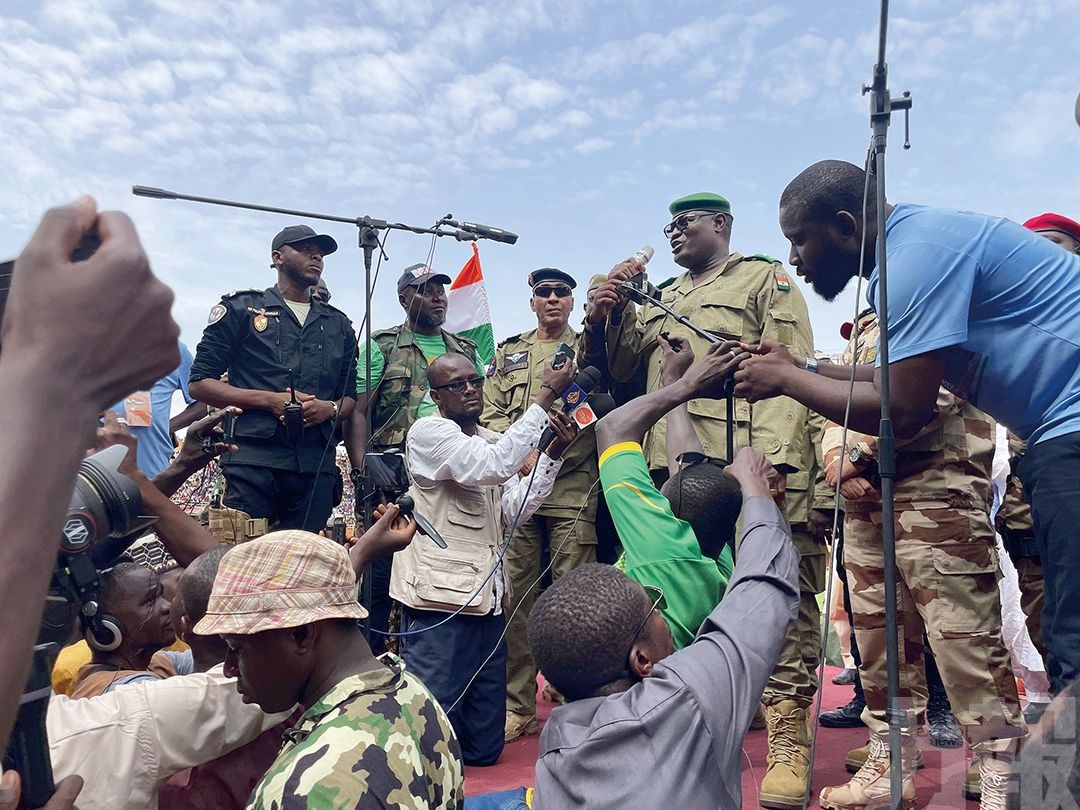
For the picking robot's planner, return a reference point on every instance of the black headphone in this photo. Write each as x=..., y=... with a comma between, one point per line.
x=102, y=631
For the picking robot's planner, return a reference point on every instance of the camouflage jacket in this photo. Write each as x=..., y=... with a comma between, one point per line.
x=404, y=383
x=750, y=298
x=377, y=739
x=512, y=385
x=947, y=465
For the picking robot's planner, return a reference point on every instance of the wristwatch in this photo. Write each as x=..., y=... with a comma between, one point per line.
x=811, y=365
x=859, y=456
x=337, y=409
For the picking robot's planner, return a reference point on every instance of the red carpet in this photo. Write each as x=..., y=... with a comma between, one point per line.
x=938, y=784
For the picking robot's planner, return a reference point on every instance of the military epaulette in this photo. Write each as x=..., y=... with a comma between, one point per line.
x=663, y=285
x=235, y=293
x=391, y=330
x=765, y=257
x=504, y=341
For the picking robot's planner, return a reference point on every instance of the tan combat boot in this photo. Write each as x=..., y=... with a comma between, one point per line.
x=869, y=788
x=787, y=779
x=518, y=725
x=994, y=780
x=857, y=757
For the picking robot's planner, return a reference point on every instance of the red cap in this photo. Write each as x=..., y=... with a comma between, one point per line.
x=845, y=329
x=1054, y=222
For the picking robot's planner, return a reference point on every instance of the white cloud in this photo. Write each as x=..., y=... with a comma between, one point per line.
x=591, y=146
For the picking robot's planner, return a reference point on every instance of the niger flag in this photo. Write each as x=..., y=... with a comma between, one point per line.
x=467, y=310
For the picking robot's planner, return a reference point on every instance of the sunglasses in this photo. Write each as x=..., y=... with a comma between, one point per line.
x=658, y=603
x=545, y=291
x=682, y=222
x=692, y=458
x=458, y=387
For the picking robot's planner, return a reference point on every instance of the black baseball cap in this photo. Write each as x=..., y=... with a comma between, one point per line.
x=304, y=233
x=419, y=274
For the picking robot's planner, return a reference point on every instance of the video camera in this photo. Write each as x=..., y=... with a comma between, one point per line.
x=104, y=518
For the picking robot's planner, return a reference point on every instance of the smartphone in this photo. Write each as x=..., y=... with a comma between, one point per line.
x=562, y=354
x=386, y=471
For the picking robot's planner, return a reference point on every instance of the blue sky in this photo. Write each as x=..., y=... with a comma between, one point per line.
x=573, y=123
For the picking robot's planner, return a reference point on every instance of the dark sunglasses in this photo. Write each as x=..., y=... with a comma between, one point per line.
x=681, y=223
x=458, y=387
x=692, y=458
x=545, y=291
x=658, y=603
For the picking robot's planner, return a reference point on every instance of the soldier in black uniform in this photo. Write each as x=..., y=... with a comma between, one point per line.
x=268, y=341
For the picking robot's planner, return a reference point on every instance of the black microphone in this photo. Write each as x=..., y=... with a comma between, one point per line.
x=573, y=395
x=484, y=231
x=406, y=504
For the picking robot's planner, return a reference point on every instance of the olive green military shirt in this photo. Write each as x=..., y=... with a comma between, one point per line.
x=750, y=298
x=512, y=386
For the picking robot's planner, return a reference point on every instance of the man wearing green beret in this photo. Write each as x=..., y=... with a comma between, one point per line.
x=565, y=523
x=744, y=298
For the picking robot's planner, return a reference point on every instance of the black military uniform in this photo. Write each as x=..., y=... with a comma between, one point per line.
x=256, y=337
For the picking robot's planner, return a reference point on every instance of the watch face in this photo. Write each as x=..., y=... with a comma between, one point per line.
x=854, y=456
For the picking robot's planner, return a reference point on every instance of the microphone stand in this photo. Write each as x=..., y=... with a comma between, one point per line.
x=881, y=107
x=368, y=240
x=643, y=296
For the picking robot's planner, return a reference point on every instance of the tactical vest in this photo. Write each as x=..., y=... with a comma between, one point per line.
x=404, y=384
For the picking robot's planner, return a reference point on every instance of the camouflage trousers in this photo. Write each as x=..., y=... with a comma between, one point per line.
x=947, y=586
x=795, y=675
x=1029, y=573
x=569, y=546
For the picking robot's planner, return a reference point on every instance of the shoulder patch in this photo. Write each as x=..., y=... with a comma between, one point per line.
x=782, y=282
x=515, y=361
x=765, y=257
x=217, y=312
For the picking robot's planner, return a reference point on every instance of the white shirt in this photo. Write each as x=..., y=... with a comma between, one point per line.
x=127, y=743
x=438, y=450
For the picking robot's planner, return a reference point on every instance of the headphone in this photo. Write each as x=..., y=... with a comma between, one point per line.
x=102, y=631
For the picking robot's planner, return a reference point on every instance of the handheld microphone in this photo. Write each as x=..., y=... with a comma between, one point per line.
x=406, y=504
x=484, y=231
x=644, y=254
x=637, y=288
x=573, y=396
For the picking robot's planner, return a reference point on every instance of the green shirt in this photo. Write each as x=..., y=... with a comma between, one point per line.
x=660, y=549
x=431, y=345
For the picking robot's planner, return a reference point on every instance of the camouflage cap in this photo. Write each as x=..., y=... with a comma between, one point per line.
x=702, y=201
x=597, y=280
x=283, y=579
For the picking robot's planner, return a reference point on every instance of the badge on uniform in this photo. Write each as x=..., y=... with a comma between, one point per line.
x=515, y=361
x=260, y=322
x=782, y=282
x=217, y=312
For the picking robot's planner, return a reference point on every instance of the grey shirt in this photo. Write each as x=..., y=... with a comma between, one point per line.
x=674, y=739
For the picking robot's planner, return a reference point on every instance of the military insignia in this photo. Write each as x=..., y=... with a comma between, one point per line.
x=217, y=312
x=489, y=371
x=782, y=282
x=260, y=322
x=515, y=361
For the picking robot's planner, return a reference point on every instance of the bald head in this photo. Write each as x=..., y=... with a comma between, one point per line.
x=448, y=367
x=458, y=389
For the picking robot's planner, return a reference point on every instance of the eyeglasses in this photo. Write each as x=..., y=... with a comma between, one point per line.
x=681, y=223
x=658, y=603
x=458, y=387
x=691, y=458
x=545, y=291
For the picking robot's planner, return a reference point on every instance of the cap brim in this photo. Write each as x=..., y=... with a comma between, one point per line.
x=246, y=624
x=441, y=278
x=325, y=241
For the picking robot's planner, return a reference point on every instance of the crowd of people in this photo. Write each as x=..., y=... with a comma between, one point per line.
x=659, y=566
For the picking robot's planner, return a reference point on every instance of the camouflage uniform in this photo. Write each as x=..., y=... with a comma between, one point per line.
x=376, y=739
x=946, y=558
x=404, y=384
x=1017, y=532
x=564, y=523
x=750, y=298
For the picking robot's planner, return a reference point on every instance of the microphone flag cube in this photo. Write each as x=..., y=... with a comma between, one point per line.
x=584, y=415
x=572, y=397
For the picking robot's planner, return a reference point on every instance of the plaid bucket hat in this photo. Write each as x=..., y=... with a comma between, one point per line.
x=283, y=579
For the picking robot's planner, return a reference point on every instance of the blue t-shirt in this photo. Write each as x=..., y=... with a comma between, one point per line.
x=1007, y=299
x=155, y=442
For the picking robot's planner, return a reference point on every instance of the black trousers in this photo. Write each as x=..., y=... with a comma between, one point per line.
x=445, y=658
x=289, y=500
x=1050, y=473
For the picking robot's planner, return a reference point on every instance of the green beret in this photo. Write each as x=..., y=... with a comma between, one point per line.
x=702, y=201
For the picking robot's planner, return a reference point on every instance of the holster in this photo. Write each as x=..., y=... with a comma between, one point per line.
x=1019, y=545
x=235, y=526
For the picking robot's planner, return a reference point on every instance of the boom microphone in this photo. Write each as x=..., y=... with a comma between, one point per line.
x=484, y=231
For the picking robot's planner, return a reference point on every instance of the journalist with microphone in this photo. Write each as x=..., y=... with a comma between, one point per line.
x=565, y=523
x=466, y=482
x=731, y=295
